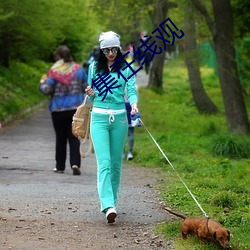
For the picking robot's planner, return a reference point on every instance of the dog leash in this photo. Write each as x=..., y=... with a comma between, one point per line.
x=174, y=169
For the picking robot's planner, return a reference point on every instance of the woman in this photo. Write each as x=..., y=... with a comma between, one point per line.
x=109, y=123
x=65, y=83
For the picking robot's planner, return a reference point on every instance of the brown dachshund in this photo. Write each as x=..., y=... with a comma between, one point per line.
x=204, y=229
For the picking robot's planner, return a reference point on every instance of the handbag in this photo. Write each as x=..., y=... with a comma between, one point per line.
x=81, y=126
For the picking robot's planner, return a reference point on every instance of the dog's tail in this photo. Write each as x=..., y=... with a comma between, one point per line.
x=175, y=213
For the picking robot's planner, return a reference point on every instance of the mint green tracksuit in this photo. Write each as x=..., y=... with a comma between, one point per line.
x=108, y=132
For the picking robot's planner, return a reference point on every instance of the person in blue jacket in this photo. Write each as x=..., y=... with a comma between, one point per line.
x=65, y=83
x=109, y=124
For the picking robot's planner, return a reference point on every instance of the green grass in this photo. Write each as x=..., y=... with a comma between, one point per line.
x=214, y=164
x=19, y=88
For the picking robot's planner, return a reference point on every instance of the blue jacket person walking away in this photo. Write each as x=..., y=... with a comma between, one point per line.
x=65, y=84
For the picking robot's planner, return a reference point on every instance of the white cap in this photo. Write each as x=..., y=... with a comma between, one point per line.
x=109, y=39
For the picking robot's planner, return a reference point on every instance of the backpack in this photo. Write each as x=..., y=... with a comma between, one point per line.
x=81, y=126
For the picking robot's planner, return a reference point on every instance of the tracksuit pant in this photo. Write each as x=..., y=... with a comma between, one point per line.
x=108, y=133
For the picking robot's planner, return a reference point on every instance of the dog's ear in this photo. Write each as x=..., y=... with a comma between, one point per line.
x=228, y=237
x=214, y=235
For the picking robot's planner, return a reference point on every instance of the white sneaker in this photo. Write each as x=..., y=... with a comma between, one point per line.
x=58, y=171
x=130, y=156
x=111, y=214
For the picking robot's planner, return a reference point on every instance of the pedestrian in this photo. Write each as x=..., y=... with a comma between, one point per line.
x=93, y=55
x=130, y=133
x=131, y=129
x=109, y=123
x=148, y=55
x=65, y=83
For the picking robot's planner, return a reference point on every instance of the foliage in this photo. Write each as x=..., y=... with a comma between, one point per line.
x=243, y=60
x=27, y=33
x=135, y=17
x=202, y=31
x=241, y=17
x=242, y=38
x=220, y=184
x=19, y=87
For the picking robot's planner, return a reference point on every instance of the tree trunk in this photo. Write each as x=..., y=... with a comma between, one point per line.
x=223, y=37
x=156, y=71
x=235, y=109
x=201, y=99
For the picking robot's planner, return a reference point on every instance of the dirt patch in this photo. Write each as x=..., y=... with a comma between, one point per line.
x=51, y=234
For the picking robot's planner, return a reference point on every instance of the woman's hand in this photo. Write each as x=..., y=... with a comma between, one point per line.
x=89, y=91
x=43, y=79
x=134, y=109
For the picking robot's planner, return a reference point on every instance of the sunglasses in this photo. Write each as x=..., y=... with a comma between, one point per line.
x=106, y=51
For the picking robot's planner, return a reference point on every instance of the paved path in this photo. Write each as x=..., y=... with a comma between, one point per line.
x=29, y=189
x=141, y=79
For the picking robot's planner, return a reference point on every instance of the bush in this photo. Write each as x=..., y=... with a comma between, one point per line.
x=231, y=146
x=19, y=88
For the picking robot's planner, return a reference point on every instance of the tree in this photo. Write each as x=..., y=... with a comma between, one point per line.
x=201, y=99
x=223, y=37
x=156, y=71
